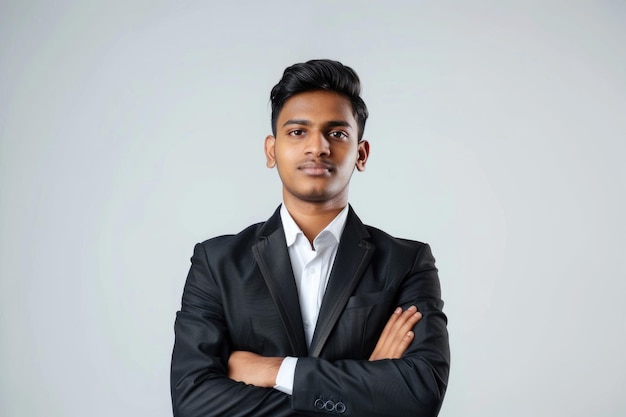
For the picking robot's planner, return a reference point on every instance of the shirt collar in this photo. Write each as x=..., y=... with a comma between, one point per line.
x=335, y=227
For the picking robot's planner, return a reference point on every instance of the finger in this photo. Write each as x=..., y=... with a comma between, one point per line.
x=394, y=340
x=408, y=320
x=390, y=323
x=404, y=343
x=400, y=334
x=382, y=340
x=389, y=328
x=404, y=322
x=407, y=329
x=396, y=322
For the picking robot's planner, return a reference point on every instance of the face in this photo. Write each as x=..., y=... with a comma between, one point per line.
x=316, y=148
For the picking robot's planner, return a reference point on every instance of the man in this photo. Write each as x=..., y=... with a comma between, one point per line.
x=311, y=312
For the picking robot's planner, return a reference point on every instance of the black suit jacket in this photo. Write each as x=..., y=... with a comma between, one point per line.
x=240, y=294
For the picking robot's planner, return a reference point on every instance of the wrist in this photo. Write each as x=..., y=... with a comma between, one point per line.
x=272, y=366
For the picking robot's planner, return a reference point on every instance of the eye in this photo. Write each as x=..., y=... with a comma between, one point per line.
x=296, y=132
x=338, y=134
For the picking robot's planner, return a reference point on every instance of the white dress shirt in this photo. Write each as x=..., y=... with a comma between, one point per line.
x=311, y=269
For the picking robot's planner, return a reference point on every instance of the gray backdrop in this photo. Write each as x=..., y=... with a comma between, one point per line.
x=131, y=130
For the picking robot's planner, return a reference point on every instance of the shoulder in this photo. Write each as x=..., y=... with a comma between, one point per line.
x=387, y=246
x=397, y=249
x=245, y=238
x=226, y=252
x=380, y=237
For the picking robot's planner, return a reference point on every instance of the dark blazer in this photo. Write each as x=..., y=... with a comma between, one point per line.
x=240, y=294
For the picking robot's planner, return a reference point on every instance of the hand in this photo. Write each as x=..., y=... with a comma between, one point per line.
x=397, y=334
x=253, y=369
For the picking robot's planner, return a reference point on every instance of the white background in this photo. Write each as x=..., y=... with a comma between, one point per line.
x=129, y=131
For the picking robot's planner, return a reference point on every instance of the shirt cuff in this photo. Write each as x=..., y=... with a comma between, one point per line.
x=286, y=374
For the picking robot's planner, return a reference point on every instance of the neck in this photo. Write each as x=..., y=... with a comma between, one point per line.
x=313, y=217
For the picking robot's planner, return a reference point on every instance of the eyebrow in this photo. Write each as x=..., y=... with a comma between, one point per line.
x=297, y=122
x=304, y=122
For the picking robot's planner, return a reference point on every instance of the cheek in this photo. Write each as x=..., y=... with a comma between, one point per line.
x=349, y=157
x=286, y=153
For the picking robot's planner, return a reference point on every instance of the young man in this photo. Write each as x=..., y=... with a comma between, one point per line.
x=311, y=312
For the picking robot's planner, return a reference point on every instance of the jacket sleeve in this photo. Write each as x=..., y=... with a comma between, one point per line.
x=200, y=386
x=413, y=385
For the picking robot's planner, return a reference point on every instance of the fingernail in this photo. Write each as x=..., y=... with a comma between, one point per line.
x=398, y=310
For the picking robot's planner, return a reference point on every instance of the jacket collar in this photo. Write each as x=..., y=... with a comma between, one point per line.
x=353, y=255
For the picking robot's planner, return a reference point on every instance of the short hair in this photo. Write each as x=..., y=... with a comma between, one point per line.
x=319, y=74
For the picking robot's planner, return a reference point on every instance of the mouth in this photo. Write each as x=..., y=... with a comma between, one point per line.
x=316, y=168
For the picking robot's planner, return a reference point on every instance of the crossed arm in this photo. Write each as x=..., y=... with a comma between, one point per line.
x=205, y=370
x=261, y=371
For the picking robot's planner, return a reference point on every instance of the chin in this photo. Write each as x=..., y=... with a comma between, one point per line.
x=315, y=197
x=321, y=196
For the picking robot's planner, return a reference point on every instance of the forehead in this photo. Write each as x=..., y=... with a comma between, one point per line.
x=317, y=106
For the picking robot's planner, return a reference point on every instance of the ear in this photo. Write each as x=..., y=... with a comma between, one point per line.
x=270, y=155
x=363, y=150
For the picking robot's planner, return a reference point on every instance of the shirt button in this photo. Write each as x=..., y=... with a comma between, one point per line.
x=307, y=324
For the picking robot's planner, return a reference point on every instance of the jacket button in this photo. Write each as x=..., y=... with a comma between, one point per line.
x=329, y=406
x=340, y=407
x=319, y=404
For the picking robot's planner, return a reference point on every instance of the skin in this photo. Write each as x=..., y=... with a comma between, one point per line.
x=316, y=149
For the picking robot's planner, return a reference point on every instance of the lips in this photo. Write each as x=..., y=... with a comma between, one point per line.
x=316, y=168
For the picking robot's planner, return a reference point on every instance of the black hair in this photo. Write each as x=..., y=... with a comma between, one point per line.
x=319, y=74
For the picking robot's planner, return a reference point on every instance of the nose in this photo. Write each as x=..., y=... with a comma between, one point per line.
x=317, y=144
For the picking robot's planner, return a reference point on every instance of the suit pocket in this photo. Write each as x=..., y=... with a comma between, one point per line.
x=360, y=325
x=369, y=299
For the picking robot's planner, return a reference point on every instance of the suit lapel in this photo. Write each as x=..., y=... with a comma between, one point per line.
x=353, y=256
x=273, y=260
